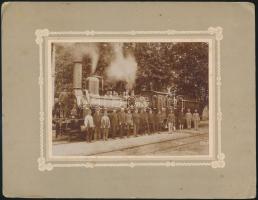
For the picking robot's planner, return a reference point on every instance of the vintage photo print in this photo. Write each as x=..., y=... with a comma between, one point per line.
x=130, y=98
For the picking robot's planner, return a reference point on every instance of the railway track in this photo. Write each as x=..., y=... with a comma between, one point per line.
x=161, y=145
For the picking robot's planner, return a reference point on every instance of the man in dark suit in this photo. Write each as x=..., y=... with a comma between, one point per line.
x=136, y=122
x=144, y=121
x=122, y=122
x=114, y=123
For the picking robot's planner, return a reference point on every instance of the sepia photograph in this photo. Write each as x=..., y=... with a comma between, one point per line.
x=130, y=98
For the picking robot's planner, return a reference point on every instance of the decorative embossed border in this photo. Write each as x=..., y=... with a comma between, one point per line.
x=45, y=164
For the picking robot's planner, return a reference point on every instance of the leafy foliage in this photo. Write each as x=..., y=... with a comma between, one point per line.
x=182, y=66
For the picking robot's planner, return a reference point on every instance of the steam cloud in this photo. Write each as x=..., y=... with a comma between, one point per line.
x=122, y=68
x=79, y=50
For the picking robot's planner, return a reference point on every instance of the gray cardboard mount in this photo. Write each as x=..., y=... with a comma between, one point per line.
x=21, y=177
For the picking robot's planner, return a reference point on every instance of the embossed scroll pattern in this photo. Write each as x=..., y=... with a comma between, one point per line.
x=45, y=165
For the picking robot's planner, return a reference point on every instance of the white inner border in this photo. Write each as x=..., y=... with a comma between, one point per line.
x=215, y=156
x=141, y=157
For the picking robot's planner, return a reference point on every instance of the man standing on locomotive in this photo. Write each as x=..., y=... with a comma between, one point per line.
x=97, y=122
x=121, y=121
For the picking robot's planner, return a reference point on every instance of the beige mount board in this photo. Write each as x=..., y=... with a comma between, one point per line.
x=234, y=177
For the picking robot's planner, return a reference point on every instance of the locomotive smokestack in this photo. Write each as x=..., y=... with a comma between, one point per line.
x=77, y=74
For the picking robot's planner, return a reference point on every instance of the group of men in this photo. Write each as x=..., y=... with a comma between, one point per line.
x=127, y=122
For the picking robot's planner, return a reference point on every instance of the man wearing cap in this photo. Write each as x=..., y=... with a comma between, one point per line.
x=105, y=125
x=89, y=125
x=136, y=122
x=114, y=123
x=97, y=121
x=121, y=122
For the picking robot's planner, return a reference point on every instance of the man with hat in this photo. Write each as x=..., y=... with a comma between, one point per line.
x=105, y=125
x=88, y=125
x=97, y=121
x=129, y=121
x=122, y=122
x=114, y=123
x=136, y=122
x=144, y=121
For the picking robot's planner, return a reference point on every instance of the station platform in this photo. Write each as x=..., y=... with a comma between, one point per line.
x=82, y=148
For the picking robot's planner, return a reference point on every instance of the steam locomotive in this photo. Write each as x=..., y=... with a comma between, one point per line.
x=72, y=115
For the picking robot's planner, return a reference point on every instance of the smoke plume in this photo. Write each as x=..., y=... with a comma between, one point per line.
x=122, y=68
x=79, y=50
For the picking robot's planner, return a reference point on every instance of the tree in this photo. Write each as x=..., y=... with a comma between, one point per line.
x=181, y=66
x=63, y=69
x=191, y=65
